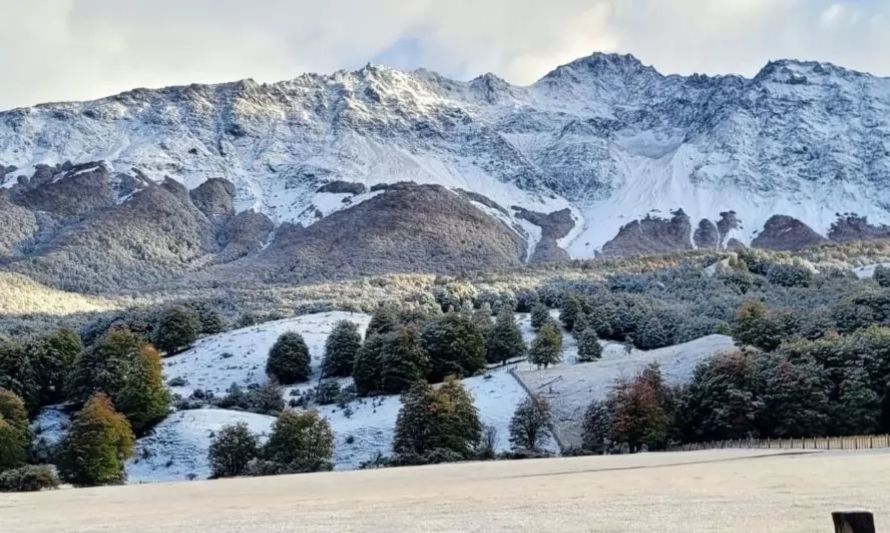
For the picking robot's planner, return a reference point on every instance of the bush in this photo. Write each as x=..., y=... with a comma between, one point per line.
x=30, y=478
x=341, y=348
x=98, y=443
x=231, y=451
x=176, y=329
x=289, y=359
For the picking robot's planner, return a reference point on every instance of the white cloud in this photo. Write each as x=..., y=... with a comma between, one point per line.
x=75, y=49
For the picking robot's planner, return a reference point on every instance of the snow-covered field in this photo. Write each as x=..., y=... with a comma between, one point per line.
x=570, y=388
x=868, y=271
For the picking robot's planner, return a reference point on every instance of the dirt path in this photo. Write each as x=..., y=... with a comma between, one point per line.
x=725, y=490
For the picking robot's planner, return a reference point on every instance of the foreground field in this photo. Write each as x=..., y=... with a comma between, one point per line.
x=725, y=490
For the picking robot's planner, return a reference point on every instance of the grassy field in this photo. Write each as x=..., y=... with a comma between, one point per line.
x=725, y=490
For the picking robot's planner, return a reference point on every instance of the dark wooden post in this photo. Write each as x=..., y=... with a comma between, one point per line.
x=853, y=522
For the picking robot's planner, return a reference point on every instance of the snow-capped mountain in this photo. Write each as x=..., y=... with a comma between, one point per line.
x=605, y=136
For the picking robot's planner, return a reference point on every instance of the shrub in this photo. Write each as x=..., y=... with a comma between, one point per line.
x=29, y=478
x=289, y=359
x=341, y=348
x=176, y=329
x=231, y=451
x=98, y=443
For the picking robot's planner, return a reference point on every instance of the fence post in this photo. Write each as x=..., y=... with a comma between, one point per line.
x=853, y=522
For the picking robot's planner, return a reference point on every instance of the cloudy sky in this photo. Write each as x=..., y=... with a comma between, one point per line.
x=54, y=50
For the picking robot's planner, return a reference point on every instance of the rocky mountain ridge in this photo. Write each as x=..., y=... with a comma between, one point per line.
x=599, y=156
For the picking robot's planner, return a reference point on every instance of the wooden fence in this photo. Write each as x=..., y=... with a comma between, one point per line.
x=858, y=442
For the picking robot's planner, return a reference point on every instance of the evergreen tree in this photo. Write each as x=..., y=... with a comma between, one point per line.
x=143, y=398
x=529, y=424
x=454, y=346
x=15, y=430
x=546, y=349
x=211, y=322
x=723, y=400
x=652, y=335
x=231, y=451
x=582, y=323
x=439, y=422
x=289, y=359
x=98, y=443
x=53, y=358
x=383, y=320
x=403, y=361
x=597, y=427
x=568, y=311
x=857, y=410
x=301, y=441
x=368, y=371
x=105, y=365
x=540, y=315
x=795, y=397
x=18, y=374
x=504, y=340
x=176, y=329
x=756, y=328
x=340, y=350
x=482, y=318
x=882, y=276
x=589, y=348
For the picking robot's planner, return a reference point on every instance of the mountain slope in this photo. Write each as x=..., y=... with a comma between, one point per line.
x=609, y=139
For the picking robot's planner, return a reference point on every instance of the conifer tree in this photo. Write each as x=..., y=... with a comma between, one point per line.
x=289, y=360
x=382, y=321
x=15, y=431
x=177, y=329
x=341, y=348
x=589, y=348
x=540, y=315
x=301, y=441
x=403, y=361
x=546, y=349
x=597, y=426
x=454, y=346
x=144, y=399
x=368, y=371
x=529, y=424
x=231, y=451
x=98, y=443
x=504, y=340
x=569, y=309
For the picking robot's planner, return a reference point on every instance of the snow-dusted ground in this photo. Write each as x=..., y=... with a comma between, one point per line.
x=868, y=271
x=50, y=425
x=571, y=388
x=177, y=448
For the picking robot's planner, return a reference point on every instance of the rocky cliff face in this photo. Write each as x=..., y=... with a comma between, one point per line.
x=605, y=137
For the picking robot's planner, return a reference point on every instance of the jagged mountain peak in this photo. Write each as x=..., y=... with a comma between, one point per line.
x=800, y=71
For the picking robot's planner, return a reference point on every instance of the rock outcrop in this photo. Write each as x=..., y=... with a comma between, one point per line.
x=706, y=235
x=215, y=198
x=782, y=232
x=651, y=235
x=554, y=226
x=851, y=227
